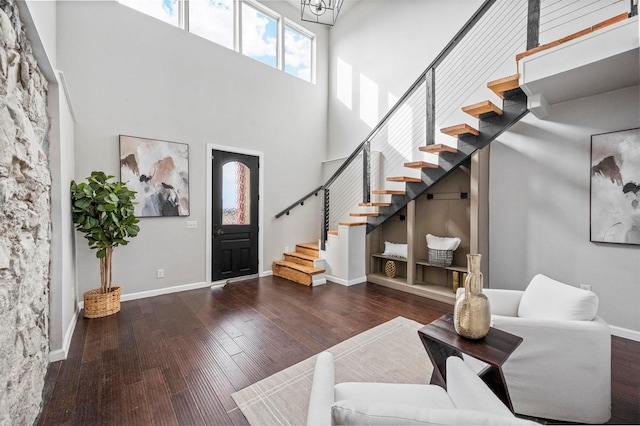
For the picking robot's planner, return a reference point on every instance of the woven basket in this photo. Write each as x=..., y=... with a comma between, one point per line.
x=440, y=257
x=98, y=304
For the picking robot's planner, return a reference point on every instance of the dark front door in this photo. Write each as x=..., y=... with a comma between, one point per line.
x=234, y=215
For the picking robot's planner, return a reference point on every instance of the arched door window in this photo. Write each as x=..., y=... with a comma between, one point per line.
x=236, y=199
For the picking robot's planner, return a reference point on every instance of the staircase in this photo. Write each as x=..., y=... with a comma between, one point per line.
x=303, y=266
x=492, y=122
x=460, y=141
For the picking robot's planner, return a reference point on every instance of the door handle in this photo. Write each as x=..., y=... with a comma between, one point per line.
x=218, y=232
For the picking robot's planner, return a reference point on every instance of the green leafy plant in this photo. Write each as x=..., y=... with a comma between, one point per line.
x=103, y=212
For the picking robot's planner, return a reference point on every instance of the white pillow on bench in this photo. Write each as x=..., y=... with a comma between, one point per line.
x=395, y=249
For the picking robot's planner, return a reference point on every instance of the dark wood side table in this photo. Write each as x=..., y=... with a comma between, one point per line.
x=441, y=341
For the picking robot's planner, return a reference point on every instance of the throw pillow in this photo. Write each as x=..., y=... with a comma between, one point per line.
x=442, y=243
x=395, y=249
x=550, y=299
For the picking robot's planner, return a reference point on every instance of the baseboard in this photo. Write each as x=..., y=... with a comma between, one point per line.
x=625, y=333
x=266, y=273
x=158, y=292
x=347, y=282
x=161, y=291
x=61, y=354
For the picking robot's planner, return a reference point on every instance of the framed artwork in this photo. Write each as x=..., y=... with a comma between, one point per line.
x=615, y=187
x=159, y=172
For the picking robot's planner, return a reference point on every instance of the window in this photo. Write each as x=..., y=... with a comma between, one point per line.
x=213, y=20
x=242, y=25
x=165, y=10
x=298, y=54
x=259, y=35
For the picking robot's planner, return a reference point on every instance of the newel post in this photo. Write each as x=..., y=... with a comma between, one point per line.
x=533, y=24
x=324, y=230
x=366, y=172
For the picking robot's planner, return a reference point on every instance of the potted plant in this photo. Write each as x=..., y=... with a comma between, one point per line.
x=103, y=211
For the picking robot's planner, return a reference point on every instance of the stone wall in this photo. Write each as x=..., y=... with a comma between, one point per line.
x=24, y=224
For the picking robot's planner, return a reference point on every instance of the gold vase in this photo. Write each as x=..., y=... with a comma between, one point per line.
x=471, y=314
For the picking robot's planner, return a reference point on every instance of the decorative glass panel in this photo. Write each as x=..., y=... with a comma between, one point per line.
x=259, y=36
x=213, y=20
x=236, y=200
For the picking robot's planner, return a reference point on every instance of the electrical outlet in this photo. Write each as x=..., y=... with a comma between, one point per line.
x=585, y=287
x=160, y=273
x=192, y=224
x=286, y=249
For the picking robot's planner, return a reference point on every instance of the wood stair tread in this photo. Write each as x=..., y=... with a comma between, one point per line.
x=504, y=84
x=438, y=147
x=481, y=108
x=403, y=179
x=459, y=129
x=298, y=267
x=332, y=232
x=363, y=214
x=387, y=192
x=312, y=246
x=302, y=255
x=421, y=165
x=352, y=223
x=374, y=204
x=310, y=249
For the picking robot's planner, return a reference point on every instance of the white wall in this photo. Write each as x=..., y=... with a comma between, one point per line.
x=132, y=74
x=40, y=18
x=383, y=47
x=539, y=205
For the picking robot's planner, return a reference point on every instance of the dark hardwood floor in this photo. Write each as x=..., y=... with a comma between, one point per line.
x=176, y=359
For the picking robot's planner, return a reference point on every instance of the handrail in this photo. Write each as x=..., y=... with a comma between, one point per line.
x=344, y=165
x=441, y=56
x=300, y=201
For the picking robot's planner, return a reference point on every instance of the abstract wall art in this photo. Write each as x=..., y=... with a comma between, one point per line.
x=159, y=172
x=615, y=187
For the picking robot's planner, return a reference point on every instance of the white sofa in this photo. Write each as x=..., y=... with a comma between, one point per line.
x=562, y=369
x=467, y=400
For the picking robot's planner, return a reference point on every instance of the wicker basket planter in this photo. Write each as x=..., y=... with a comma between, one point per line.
x=98, y=304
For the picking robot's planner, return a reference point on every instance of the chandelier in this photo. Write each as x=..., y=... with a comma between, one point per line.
x=320, y=11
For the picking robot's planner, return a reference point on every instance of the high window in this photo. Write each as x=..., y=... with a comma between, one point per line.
x=298, y=52
x=245, y=26
x=213, y=20
x=259, y=38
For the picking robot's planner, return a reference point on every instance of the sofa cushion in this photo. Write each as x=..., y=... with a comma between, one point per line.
x=426, y=396
x=350, y=412
x=550, y=299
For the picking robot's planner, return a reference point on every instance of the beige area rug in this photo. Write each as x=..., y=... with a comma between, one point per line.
x=391, y=353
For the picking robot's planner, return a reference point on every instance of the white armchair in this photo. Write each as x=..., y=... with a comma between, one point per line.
x=562, y=369
x=466, y=401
